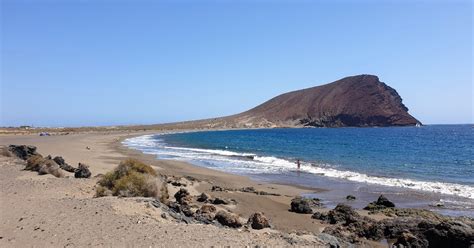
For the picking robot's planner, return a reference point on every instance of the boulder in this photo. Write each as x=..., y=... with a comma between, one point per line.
x=407, y=239
x=183, y=196
x=203, y=197
x=219, y=201
x=248, y=190
x=207, y=209
x=331, y=241
x=258, y=221
x=301, y=205
x=188, y=210
x=217, y=188
x=350, y=197
x=228, y=219
x=206, y=214
x=381, y=203
x=82, y=171
x=63, y=165
x=449, y=233
x=340, y=214
x=343, y=213
x=22, y=151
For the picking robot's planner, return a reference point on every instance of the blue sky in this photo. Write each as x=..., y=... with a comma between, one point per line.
x=72, y=63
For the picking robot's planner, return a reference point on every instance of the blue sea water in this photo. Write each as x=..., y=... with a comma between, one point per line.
x=435, y=159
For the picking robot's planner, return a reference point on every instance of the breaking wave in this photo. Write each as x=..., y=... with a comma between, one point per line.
x=249, y=163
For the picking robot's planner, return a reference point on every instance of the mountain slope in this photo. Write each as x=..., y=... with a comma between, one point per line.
x=352, y=101
x=356, y=101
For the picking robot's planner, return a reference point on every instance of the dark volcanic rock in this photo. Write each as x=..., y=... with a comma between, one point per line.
x=352, y=101
x=408, y=227
x=206, y=214
x=63, y=165
x=183, y=196
x=340, y=214
x=258, y=221
x=350, y=197
x=228, y=219
x=207, y=209
x=82, y=171
x=448, y=234
x=22, y=151
x=301, y=205
x=407, y=239
x=203, y=197
x=219, y=201
x=381, y=203
x=217, y=188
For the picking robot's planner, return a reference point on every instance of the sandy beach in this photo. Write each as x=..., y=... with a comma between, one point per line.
x=48, y=211
x=45, y=211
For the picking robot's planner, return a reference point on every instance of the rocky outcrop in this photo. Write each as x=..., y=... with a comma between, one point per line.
x=303, y=205
x=350, y=198
x=381, y=203
x=408, y=227
x=258, y=221
x=63, y=165
x=82, y=171
x=340, y=214
x=220, y=201
x=228, y=219
x=203, y=197
x=206, y=214
x=23, y=152
x=183, y=196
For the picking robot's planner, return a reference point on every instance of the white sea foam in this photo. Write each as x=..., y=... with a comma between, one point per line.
x=217, y=152
x=229, y=161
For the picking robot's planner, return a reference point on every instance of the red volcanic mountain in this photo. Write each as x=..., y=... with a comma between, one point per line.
x=356, y=101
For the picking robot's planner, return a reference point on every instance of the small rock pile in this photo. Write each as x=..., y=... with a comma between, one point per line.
x=47, y=165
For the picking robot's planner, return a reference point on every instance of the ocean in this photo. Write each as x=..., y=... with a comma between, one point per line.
x=428, y=167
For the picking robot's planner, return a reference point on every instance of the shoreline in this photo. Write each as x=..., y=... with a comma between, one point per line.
x=45, y=211
x=333, y=190
x=36, y=207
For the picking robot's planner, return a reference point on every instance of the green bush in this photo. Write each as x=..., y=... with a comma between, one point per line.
x=130, y=178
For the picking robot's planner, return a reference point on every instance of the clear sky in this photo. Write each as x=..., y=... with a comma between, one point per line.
x=71, y=63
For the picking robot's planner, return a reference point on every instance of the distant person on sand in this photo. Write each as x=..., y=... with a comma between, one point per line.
x=298, y=163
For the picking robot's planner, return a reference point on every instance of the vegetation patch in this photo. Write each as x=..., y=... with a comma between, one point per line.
x=43, y=166
x=130, y=178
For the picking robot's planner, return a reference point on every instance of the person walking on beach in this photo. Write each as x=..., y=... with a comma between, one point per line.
x=298, y=163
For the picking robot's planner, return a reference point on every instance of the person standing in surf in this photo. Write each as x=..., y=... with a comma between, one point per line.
x=298, y=163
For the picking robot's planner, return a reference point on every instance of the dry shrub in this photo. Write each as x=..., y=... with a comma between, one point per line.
x=43, y=166
x=5, y=152
x=34, y=163
x=50, y=167
x=130, y=178
x=101, y=191
x=164, y=194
